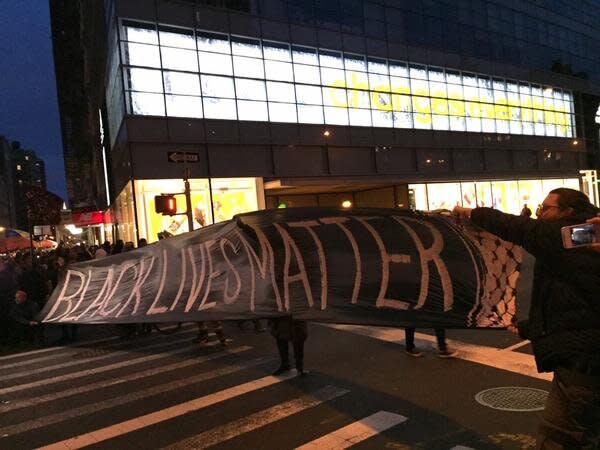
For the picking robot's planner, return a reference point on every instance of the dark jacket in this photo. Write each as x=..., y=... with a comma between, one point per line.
x=24, y=313
x=564, y=318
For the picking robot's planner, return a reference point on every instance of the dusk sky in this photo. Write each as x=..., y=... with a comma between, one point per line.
x=28, y=104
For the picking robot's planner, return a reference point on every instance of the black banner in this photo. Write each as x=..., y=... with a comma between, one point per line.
x=361, y=266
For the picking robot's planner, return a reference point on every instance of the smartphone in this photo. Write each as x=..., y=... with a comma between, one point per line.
x=580, y=235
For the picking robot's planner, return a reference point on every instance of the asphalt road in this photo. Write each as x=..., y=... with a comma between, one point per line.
x=362, y=391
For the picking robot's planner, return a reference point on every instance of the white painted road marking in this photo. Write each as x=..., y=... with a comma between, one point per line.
x=517, y=345
x=64, y=364
x=515, y=362
x=59, y=353
x=83, y=373
x=259, y=419
x=127, y=398
x=141, y=422
x=28, y=402
x=356, y=432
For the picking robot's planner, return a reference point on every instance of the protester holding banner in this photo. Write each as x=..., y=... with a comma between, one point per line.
x=286, y=330
x=564, y=318
x=23, y=313
x=440, y=334
x=203, y=327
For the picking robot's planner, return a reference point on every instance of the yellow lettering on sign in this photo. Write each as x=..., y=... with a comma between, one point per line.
x=398, y=96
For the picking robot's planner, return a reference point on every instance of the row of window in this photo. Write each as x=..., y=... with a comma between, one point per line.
x=315, y=86
x=230, y=109
x=142, y=80
x=150, y=80
x=212, y=46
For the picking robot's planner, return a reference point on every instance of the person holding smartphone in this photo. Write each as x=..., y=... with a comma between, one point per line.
x=596, y=221
x=564, y=317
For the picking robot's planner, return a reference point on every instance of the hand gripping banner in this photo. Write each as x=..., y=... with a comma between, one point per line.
x=359, y=266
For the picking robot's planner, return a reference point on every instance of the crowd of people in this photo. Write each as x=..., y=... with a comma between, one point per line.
x=28, y=278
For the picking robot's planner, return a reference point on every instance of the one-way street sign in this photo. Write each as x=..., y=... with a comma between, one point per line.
x=180, y=157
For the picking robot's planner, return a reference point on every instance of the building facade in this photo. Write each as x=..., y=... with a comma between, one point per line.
x=27, y=170
x=7, y=195
x=272, y=103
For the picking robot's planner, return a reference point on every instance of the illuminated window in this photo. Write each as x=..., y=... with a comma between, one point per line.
x=277, y=70
x=281, y=92
x=214, y=42
x=18, y=167
x=177, y=38
x=215, y=63
x=179, y=59
x=184, y=106
x=250, y=89
x=143, y=80
x=282, y=112
x=250, y=110
x=301, y=79
x=214, y=86
x=248, y=67
x=181, y=83
x=310, y=114
x=147, y=104
x=219, y=108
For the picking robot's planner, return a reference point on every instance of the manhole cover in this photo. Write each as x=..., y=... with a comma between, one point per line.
x=513, y=398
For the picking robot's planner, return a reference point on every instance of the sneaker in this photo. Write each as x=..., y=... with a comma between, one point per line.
x=281, y=370
x=414, y=352
x=447, y=353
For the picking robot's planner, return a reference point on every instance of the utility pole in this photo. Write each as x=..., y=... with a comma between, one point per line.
x=188, y=199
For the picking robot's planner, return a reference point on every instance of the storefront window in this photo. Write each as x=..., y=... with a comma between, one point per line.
x=469, y=195
x=484, y=193
x=124, y=220
x=506, y=196
x=443, y=195
x=417, y=194
x=230, y=196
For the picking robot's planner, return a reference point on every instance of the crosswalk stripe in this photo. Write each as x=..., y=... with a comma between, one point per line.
x=259, y=419
x=59, y=348
x=28, y=402
x=77, y=362
x=356, y=432
x=58, y=355
x=127, y=398
x=515, y=362
x=96, y=370
x=517, y=346
x=56, y=348
x=153, y=418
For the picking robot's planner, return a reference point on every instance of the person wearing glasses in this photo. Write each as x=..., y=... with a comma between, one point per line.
x=564, y=317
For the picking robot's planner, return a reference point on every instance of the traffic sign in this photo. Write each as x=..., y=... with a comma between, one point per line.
x=182, y=157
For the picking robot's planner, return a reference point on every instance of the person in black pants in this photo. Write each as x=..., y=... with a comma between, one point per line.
x=440, y=334
x=286, y=330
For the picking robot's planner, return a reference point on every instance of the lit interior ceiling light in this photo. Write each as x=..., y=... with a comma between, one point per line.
x=326, y=133
x=73, y=229
x=575, y=142
x=346, y=204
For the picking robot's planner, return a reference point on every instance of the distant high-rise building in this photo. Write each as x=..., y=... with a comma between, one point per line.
x=76, y=28
x=27, y=170
x=7, y=196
